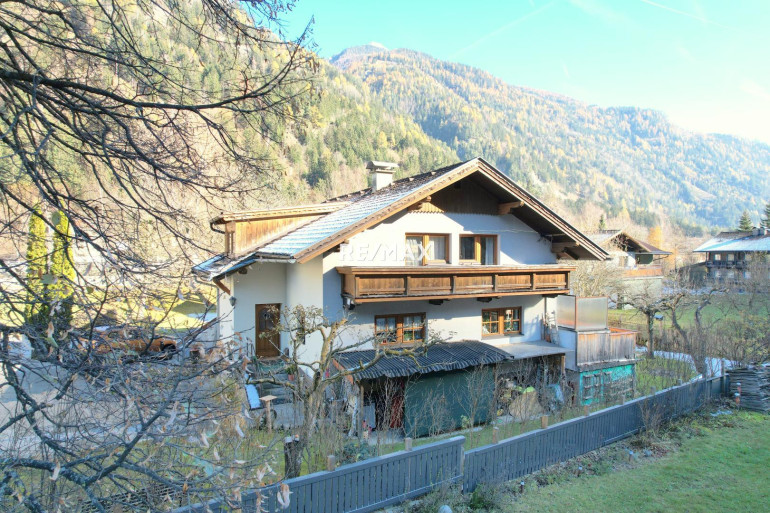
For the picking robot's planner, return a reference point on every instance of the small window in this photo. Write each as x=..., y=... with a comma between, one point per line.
x=424, y=249
x=501, y=321
x=479, y=249
x=400, y=329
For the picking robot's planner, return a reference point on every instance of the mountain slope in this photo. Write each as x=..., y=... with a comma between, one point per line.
x=620, y=158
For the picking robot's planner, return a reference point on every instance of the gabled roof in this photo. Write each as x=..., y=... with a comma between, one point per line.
x=750, y=241
x=605, y=237
x=366, y=208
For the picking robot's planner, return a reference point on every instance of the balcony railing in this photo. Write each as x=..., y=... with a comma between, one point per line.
x=645, y=271
x=727, y=264
x=368, y=284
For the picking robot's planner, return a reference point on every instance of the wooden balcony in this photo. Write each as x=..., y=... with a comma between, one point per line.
x=370, y=284
x=644, y=271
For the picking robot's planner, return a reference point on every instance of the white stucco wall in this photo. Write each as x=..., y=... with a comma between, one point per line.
x=304, y=286
x=455, y=320
x=262, y=284
x=383, y=244
x=317, y=283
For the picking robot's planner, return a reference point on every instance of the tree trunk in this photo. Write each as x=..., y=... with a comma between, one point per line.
x=292, y=456
x=650, y=335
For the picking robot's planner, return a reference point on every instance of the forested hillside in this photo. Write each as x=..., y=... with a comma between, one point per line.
x=620, y=158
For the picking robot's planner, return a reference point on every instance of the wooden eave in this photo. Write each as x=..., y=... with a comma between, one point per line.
x=529, y=204
x=365, y=284
x=301, y=211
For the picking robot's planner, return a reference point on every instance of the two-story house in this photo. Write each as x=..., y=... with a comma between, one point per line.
x=461, y=252
x=731, y=255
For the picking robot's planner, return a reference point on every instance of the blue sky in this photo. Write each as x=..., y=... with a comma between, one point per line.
x=705, y=63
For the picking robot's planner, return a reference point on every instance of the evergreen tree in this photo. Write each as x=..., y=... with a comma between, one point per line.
x=36, y=309
x=602, y=223
x=63, y=272
x=766, y=220
x=745, y=223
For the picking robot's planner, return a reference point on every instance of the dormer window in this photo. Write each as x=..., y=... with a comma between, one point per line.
x=427, y=249
x=478, y=249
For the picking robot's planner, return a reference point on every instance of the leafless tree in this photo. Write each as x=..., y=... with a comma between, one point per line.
x=105, y=119
x=316, y=374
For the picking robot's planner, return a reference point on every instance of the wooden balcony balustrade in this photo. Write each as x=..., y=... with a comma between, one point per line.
x=644, y=271
x=369, y=284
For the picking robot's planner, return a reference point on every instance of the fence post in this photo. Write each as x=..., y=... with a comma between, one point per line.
x=408, y=443
x=331, y=462
x=585, y=410
x=495, y=434
x=544, y=421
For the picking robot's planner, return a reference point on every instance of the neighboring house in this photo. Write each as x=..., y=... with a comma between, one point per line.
x=461, y=253
x=640, y=261
x=730, y=255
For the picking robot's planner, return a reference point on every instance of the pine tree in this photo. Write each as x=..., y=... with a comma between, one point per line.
x=745, y=223
x=602, y=223
x=63, y=271
x=36, y=309
x=766, y=219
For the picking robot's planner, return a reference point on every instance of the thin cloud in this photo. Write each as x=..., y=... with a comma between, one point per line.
x=503, y=29
x=698, y=17
x=601, y=11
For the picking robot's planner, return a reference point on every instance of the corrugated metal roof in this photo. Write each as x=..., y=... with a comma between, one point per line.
x=358, y=208
x=439, y=357
x=737, y=241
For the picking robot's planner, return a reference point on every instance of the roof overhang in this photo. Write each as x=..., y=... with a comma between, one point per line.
x=304, y=210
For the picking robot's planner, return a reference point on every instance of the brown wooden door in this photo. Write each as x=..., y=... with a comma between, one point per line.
x=268, y=341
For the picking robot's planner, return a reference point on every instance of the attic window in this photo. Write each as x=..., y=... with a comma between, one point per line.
x=478, y=249
x=426, y=249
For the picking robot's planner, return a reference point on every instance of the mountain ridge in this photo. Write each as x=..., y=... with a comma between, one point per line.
x=623, y=158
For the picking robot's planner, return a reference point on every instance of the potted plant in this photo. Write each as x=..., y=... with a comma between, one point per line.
x=291, y=371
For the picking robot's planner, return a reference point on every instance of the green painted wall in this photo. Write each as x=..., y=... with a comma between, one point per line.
x=607, y=383
x=439, y=401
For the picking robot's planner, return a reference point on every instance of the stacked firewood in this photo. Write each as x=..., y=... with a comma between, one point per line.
x=754, y=382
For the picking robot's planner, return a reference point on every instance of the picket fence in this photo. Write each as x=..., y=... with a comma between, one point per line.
x=375, y=483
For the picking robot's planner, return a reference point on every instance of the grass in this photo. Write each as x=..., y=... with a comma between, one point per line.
x=661, y=373
x=722, y=307
x=716, y=464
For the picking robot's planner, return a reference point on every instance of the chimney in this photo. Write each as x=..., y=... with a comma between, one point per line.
x=382, y=173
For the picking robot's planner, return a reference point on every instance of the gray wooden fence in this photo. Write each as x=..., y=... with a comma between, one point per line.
x=375, y=483
x=527, y=453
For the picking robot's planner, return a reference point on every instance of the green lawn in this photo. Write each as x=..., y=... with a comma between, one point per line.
x=661, y=373
x=723, y=307
x=721, y=465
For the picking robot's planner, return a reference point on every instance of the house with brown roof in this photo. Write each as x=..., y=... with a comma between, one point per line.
x=461, y=252
x=639, y=262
